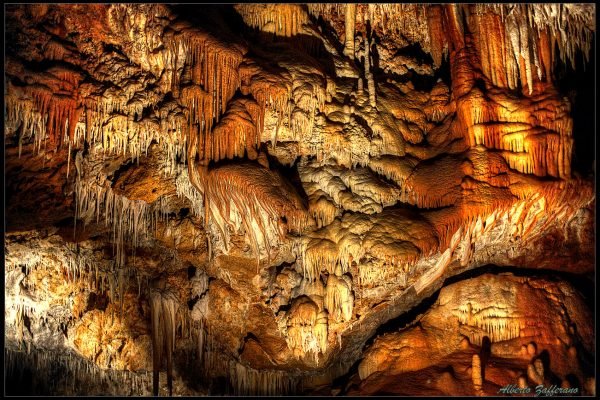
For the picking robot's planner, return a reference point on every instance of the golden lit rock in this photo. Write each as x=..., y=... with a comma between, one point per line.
x=253, y=199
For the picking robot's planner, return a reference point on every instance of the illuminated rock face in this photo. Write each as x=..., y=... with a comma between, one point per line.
x=294, y=176
x=509, y=313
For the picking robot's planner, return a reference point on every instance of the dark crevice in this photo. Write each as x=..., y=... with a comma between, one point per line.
x=120, y=171
x=97, y=301
x=191, y=303
x=290, y=175
x=443, y=72
x=191, y=271
x=578, y=85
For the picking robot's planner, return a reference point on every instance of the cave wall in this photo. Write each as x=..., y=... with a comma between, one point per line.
x=233, y=199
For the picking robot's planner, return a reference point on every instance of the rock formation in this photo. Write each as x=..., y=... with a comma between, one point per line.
x=510, y=313
x=237, y=199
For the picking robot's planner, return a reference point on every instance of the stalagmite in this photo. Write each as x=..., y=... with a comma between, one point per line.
x=531, y=349
x=476, y=373
x=522, y=382
x=535, y=372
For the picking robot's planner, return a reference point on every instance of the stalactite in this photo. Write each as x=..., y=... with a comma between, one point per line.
x=259, y=197
x=63, y=115
x=22, y=113
x=493, y=323
x=371, y=274
x=237, y=134
x=130, y=219
x=71, y=374
x=535, y=138
x=185, y=189
x=214, y=67
x=323, y=210
x=270, y=92
x=349, y=23
x=394, y=168
x=339, y=299
x=281, y=19
x=526, y=27
x=411, y=20
x=306, y=328
x=439, y=45
x=117, y=134
x=163, y=308
x=247, y=381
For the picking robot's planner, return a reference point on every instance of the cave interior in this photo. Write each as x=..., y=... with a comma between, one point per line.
x=299, y=199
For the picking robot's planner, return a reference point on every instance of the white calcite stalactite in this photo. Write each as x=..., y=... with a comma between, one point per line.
x=131, y=220
x=91, y=124
x=186, y=190
x=24, y=115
